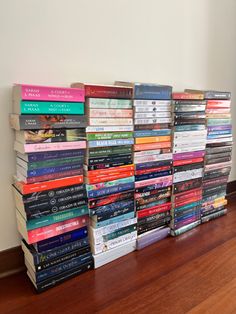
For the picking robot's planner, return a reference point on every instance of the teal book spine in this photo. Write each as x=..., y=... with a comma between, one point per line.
x=55, y=218
x=51, y=107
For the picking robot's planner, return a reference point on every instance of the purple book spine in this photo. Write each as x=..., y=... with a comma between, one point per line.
x=189, y=155
x=219, y=127
x=152, y=238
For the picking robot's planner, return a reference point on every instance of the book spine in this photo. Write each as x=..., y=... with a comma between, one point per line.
x=105, y=178
x=110, y=207
x=46, y=232
x=109, y=184
x=153, y=158
x=149, y=133
x=152, y=139
x=120, y=128
x=55, y=270
x=30, y=148
x=152, y=146
x=110, y=221
x=110, y=171
x=52, y=219
x=44, y=285
x=44, y=107
x=152, y=92
x=54, y=176
x=147, y=115
x=48, y=185
x=101, y=160
x=104, y=143
x=54, y=163
x=38, y=122
x=53, y=254
x=152, y=121
x=152, y=109
x=33, y=157
x=107, y=151
x=50, y=170
x=110, y=121
x=110, y=190
x=96, y=91
x=163, y=181
x=154, y=210
x=61, y=239
x=109, y=136
x=110, y=113
x=101, y=103
x=110, y=215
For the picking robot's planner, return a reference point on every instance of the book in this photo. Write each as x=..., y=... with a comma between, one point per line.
x=39, y=234
x=148, y=91
x=48, y=107
x=185, y=95
x=110, y=113
x=45, y=147
x=49, y=136
x=110, y=121
x=104, y=91
x=210, y=94
x=46, y=93
x=109, y=143
x=152, y=139
x=102, y=103
x=38, y=122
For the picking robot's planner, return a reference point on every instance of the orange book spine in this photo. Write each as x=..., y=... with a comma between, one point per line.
x=152, y=139
x=187, y=96
x=152, y=146
x=47, y=185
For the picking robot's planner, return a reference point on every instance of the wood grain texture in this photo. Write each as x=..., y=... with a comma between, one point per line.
x=176, y=275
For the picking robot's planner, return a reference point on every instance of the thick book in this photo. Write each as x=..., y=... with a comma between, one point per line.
x=38, y=122
x=110, y=113
x=187, y=96
x=148, y=91
x=48, y=107
x=47, y=93
x=42, y=233
x=105, y=91
x=50, y=136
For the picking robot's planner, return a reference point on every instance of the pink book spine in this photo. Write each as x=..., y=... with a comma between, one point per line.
x=165, y=181
x=56, y=229
x=42, y=147
x=111, y=113
x=50, y=93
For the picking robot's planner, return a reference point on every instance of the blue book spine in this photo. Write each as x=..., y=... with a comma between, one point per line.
x=146, y=133
x=229, y=131
x=187, y=216
x=111, y=190
x=55, y=270
x=115, y=219
x=188, y=206
x=153, y=175
x=61, y=239
x=152, y=92
x=33, y=157
x=193, y=127
x=113, y=214
x=59, y=251
x=104, y=143
x=50, y=170
x=111, y=207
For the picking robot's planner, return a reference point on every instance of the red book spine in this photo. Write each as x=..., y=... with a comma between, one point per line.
x=187, y=161
x=154, y=210
x=146, y=171
x=106, y=91
x=110, y=171
x=94, y=180
x=188, y=201
x=184, y=195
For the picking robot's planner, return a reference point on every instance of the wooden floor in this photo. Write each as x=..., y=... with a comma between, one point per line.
x=193, y=273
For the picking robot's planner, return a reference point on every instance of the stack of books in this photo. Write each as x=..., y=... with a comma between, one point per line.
x=218, y=154
x=189, y=142
x=109, y=171
x=50, y=197
x=152, y=159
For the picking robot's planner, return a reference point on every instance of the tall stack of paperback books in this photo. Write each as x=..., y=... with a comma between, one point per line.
x=109, y=171
x=218, y=153
x=189, y=141
x=152, y=159
x=50, y=197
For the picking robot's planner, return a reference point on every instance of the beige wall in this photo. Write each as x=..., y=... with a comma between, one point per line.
x=186, y=43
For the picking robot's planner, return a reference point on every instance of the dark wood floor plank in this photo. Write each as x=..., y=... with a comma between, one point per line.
x=127, y=278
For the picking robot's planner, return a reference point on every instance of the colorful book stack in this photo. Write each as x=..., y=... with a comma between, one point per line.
x=109, y=172
x=218, y=154
x=152, y=159
x=189, y=141
x=50, y=197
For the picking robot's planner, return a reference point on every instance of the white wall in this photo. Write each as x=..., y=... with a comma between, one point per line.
x=186, y=43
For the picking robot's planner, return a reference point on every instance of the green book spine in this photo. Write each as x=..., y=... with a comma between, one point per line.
x=110, y=151
x=52, y=219
x=119, y=233
x=109, y=136
x=218, y=121
x=51, y=107
x=54, y=163
x=101, y=103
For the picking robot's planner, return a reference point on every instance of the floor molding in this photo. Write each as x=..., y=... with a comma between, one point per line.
x=12, y=260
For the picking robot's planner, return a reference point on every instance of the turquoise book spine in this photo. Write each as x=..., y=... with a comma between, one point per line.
x=51, y=107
